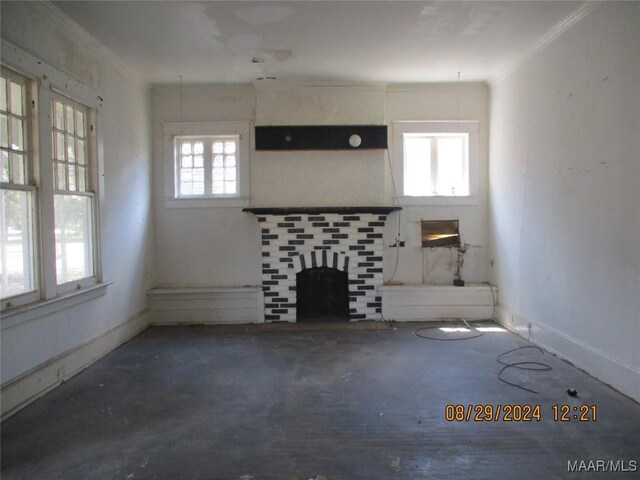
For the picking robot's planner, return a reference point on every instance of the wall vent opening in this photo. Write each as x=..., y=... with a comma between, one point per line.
x=440, y=233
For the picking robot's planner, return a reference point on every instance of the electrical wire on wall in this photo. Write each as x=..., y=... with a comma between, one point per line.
x=528, y=365
x=397, y=202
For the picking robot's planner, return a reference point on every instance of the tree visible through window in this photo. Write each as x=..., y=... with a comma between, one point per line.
x=17, y=262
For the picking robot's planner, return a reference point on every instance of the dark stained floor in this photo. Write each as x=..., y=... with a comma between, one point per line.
x=335, y=403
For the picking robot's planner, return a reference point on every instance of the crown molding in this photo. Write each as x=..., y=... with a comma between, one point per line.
x=559, y=29
x=93, y=42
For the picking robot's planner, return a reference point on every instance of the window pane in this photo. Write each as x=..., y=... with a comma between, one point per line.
x=217, y=187
x=186, y=175
x=451, y=167
x=230, y=161
x=71, y=149
x=81, y=152
x=186, y=161
x=16, y=98
x=17, y=138
x=82, y=179
x=4, y=131
x=229, y=147
x=17, y=168
x=198, y=148
x=218, y=161
x=70, y=121
x=198, y=188
x=72, y=177
x=217, y=147
x=80, y=123
x=74, y=237
x=3, y=94
x=198, y=174
x=59, y=146
x=59, y=116
x=62, y=176
x=230, y=187
x=198, y=161
x=17, y=253
x=186, y=188
x=4, y=166
x=186, y=148
x=230, y=174
x=417, y=166
x=218, y=175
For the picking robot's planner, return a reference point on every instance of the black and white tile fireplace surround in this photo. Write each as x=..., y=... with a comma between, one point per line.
x=348, y=239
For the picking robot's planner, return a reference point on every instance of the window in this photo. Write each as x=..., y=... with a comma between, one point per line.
x=48, y=211
x=18, y=277
x=436, y=161
x=72, y=199
x=207, y=164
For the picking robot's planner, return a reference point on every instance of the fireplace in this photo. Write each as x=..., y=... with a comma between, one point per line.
x=322, y=294
x=347, y=240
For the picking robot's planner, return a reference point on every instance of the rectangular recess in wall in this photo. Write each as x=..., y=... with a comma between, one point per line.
x=440, y=233
x=320, y=137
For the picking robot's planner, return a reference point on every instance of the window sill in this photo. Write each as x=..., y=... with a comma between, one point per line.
x=206, y=202
x=440, y=200
x=18, y=315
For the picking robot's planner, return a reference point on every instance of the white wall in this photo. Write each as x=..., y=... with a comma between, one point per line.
x=565, y=195
x=437, y=102
x=126, y=225
x=222, y=245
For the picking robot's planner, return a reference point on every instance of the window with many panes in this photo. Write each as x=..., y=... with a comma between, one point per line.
x=18, y=192
x=48, y=233
x=73, y=198
x=436, y=160
x=207, y=166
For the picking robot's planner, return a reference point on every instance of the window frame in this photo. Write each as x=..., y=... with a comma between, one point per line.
x=436, y=128
x=173, y=131
x=45, y=82
x=89, y=192
x=30, y=185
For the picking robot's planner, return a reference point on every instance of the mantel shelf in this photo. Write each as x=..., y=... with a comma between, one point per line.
x=320, y=210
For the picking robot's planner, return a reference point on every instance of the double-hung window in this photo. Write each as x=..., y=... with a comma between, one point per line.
x=48, y=204
x=73, y=199
x=207, y=164
x=436, y=161
x=18, y=249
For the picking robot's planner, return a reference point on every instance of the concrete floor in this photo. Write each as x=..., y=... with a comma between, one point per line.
x=334, y=403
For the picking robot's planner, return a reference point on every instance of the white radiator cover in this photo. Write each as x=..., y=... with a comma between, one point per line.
x=419, y=302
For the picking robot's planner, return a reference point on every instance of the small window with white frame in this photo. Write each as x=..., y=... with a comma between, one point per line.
x=207, y=164
x=436, y=162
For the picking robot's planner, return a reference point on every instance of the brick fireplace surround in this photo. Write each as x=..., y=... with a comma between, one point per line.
x=348, y=239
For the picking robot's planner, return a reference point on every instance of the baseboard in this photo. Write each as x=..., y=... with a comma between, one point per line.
x=417, y=302
x=21, y=391
x=599, y=364
x=206, y=306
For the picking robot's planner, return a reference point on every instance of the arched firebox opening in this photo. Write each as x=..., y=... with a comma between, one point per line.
x=322, y=295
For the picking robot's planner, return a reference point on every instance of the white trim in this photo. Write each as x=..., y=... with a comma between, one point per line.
x=470, y=127
x=420, y=302
x=602, y=365
x=173, y=129
x=48, y=76
x=202, y=306
x=24, y=389
x=560, y=28
x=13, y=317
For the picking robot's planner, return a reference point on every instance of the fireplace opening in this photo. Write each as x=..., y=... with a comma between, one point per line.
x=322, y=295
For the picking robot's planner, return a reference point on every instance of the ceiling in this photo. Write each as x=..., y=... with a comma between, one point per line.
x=314, y=41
